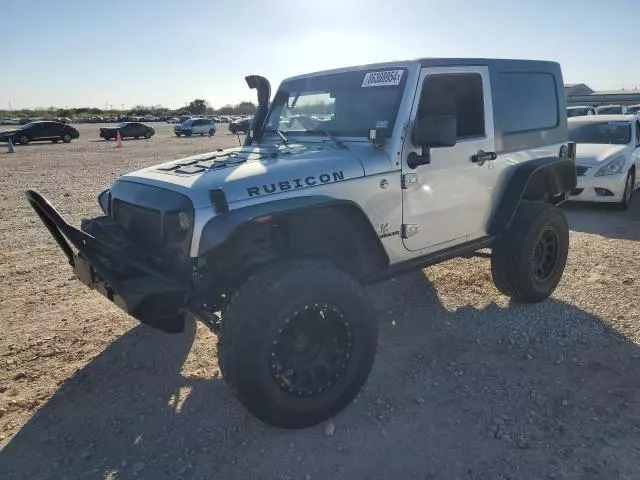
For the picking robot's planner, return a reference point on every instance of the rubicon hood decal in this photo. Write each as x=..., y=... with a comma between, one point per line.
x=295, y=183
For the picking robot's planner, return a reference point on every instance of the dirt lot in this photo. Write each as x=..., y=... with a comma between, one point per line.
x=465, y=385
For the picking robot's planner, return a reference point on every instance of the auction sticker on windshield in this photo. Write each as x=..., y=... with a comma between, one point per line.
x=381, y=79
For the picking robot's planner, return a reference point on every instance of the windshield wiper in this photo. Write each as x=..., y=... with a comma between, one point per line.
x=338, y=143
x=283, y=137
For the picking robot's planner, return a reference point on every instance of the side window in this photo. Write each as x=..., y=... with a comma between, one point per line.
x=197, y=123
x=458, y=94
x=528, y=101
x=638, y=133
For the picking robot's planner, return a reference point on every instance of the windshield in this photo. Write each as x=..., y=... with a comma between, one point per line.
x=346, y=104
x=617, y=133
x=28, y=125
x=609, y=111
x=123, y=124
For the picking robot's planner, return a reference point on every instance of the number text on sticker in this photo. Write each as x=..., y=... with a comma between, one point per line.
x=385, y=78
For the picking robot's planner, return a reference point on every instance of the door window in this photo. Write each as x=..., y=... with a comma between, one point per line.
x=458, y=94
x=638, y=133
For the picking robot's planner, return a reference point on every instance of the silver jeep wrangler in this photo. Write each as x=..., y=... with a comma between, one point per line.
x=347, y=177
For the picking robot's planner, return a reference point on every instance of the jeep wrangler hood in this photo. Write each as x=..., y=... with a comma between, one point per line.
x=252, y=172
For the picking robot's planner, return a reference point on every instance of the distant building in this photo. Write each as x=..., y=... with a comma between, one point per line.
x=581, y=94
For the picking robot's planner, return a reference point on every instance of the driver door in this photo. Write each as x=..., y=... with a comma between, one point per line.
x=448, y=201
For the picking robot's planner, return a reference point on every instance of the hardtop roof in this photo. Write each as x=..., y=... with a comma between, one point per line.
x=492, y=63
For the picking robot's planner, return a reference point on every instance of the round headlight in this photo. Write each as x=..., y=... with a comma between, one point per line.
x=185, y=221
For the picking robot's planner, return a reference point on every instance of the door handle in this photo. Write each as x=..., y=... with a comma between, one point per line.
x=483, y=156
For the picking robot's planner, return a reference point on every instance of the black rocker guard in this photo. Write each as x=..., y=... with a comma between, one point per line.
x=109, y=263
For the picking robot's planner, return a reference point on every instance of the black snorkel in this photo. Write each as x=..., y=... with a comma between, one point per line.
x=263, y=87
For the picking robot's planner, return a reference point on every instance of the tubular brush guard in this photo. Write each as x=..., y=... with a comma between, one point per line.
x=110, y=264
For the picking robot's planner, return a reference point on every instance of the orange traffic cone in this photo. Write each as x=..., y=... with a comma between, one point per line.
x=118, y=139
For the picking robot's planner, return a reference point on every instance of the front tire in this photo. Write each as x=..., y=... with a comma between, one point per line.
x=66, y=138
x=23, y=140
x=147, y=135
x=297, y=344
x=212, y=132
x=528, y=261
x=187, y=133
x=628, y=191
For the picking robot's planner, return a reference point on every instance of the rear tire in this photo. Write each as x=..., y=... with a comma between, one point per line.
x=212, y=132
x=147, y=135
x=297, y=344
x=23, y=140
x=528, y=261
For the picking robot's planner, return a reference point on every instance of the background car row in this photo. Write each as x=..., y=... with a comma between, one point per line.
x=55, y=131
x=585, y=110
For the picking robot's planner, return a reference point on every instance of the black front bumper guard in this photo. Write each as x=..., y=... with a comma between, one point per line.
x=108, y=263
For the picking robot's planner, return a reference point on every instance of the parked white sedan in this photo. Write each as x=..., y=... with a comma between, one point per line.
x=607, y=158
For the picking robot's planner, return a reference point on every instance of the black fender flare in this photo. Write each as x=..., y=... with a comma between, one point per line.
x=547, y=175
x=221, y=227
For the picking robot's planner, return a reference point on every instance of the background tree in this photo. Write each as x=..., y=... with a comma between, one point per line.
x=245, y=108
x=198, y=106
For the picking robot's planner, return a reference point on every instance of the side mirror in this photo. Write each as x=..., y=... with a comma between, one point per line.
x=432, y=131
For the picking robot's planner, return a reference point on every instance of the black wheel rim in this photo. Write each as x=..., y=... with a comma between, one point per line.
x=311, y=351
x=545, y=255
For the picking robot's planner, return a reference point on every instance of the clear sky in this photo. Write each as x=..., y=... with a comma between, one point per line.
x=126, y=52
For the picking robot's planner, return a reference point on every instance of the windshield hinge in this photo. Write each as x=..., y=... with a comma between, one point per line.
x=409, y=180
x=409, y=230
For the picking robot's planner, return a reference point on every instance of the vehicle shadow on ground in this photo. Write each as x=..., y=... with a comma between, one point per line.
x=128, y=139
x=605, y=220
x=527, y=392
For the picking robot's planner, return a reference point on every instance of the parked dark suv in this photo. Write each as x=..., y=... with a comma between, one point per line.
x=43, y=130
x=242, y=125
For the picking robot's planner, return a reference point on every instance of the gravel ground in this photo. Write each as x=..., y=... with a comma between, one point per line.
x=465, y=385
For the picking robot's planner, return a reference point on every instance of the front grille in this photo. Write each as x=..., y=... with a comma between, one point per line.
x=144, y=225
x=581, y=170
